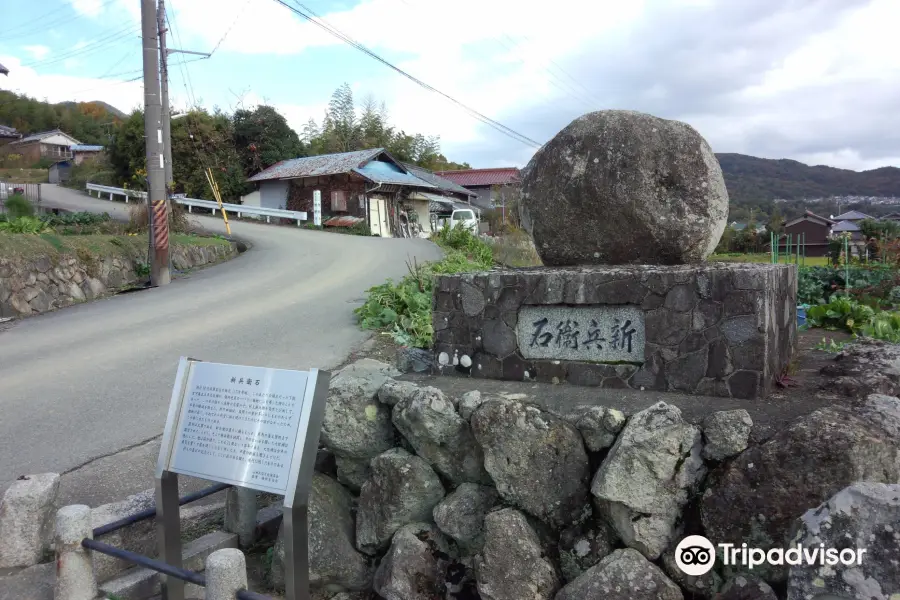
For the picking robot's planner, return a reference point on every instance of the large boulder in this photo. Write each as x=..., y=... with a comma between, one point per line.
x=863, y=522
x=623, y=575
x=599, y=425
x=512, y=565
x=648, y=476
x=415, y=566
x=757, y=497
x=537, y=460
x=356, y=424
x=402, y=489
x=333, y=560
x=866, y=367
x=622, y=187
x=461, y=515
x=432, y=426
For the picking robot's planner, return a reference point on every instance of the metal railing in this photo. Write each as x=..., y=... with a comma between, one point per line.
x=152, y=563
x=239, y=209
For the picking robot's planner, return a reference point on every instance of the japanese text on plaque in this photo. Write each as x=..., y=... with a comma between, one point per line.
x=600, y=334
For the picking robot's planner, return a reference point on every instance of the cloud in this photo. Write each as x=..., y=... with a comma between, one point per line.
x=37, y=52
x=91, y=8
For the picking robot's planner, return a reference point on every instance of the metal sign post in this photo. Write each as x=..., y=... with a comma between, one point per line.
x=252, y=427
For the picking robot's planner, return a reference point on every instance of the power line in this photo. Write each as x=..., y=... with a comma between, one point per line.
x=227, y=31
x=318, y=21
x=62, y=20
x=88, y=49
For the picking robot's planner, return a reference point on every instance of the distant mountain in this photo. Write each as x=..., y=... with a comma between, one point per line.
x=109, y=107
x=752, y=180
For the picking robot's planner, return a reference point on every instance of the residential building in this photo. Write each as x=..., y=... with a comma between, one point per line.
x=853, y=216
x=489, y=185
x=59, y=171
x=894, y=216
x=8, y=134
x=363, y=186
x=3, y=70
x=83, y=152
x=811, y=230
x=54, y=145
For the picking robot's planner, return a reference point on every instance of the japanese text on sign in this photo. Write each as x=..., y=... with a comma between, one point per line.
x=596, y=333
x=239, y=425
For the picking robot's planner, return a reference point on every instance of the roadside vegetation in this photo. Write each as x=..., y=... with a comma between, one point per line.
x=17, y=175
x=402, y=309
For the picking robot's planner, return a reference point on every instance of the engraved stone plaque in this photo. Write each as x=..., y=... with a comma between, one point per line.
x=610, y=334
x=239, y=425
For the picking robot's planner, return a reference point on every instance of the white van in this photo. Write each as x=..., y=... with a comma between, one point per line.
x=467, y=217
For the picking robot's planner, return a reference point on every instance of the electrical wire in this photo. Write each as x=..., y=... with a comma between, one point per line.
x=319, y=22
x=44, y=27
x=88, y=49
x=227, y=31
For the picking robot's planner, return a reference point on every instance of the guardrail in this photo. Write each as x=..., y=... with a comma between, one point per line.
x=239, y=209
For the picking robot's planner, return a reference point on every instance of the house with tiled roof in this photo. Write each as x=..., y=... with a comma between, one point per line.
x=488, y=184
x=55, y=145
x=365, y=186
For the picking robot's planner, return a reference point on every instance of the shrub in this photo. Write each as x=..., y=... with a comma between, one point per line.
x=461, y=239
x=17, y=205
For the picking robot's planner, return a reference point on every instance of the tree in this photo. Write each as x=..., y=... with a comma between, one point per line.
x=263, y=137
x=340, y=129
x=775, y=224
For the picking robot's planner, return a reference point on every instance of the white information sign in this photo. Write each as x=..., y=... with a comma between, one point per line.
x=317, y=208
x=239, y=425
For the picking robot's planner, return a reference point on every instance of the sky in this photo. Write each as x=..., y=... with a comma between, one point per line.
x=812, y=80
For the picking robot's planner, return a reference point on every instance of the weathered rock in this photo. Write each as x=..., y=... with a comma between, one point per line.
x=702, y=586
x=512, y=565
x=394, y=391
x=863, y=522
x=461, y=515
x=648, y=476
x=618, y=187
x=402, y=489
x=415, y=566
x=758, y=496
x=352, y=472
x=599, y=427
x=333, y=560
x=746, y=587
x=414, y=360
x=583, y=546
x=27, y=511
x=469, y=403
x=537, y=460
x=623, y=575
x=139, y=537
x=866, y=367
x=439, y=435
x=726, y=433
x=356, y=424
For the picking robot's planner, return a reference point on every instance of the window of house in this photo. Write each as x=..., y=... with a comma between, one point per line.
x=339, y=200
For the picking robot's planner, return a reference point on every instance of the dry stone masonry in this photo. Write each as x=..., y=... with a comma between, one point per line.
x=624, y=209
x=45, y=283
x=585, y=505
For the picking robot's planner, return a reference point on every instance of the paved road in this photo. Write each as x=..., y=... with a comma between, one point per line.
x=93, y=379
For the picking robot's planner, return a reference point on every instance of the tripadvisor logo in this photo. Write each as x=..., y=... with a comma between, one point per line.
x=695, y=555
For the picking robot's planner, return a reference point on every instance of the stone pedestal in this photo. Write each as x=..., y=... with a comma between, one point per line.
x=721, y=329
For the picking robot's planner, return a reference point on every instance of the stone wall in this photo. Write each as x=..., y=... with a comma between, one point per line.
x=421, y=496
x=48, y=282
x=717, y=329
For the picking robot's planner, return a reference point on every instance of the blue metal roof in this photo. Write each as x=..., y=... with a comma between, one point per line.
x=316, y=166
x=389, y=174
x=86, y=148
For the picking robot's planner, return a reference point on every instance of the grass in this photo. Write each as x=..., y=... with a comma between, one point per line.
x=14, y=245
x=515, y=249
x=14, y=175
x=810, y=261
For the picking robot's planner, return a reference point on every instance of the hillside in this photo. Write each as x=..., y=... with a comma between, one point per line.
x=89, y=122
x=752, y=180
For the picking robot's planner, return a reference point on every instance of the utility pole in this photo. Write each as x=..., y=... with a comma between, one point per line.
x=164, y=84
x=153, y=134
